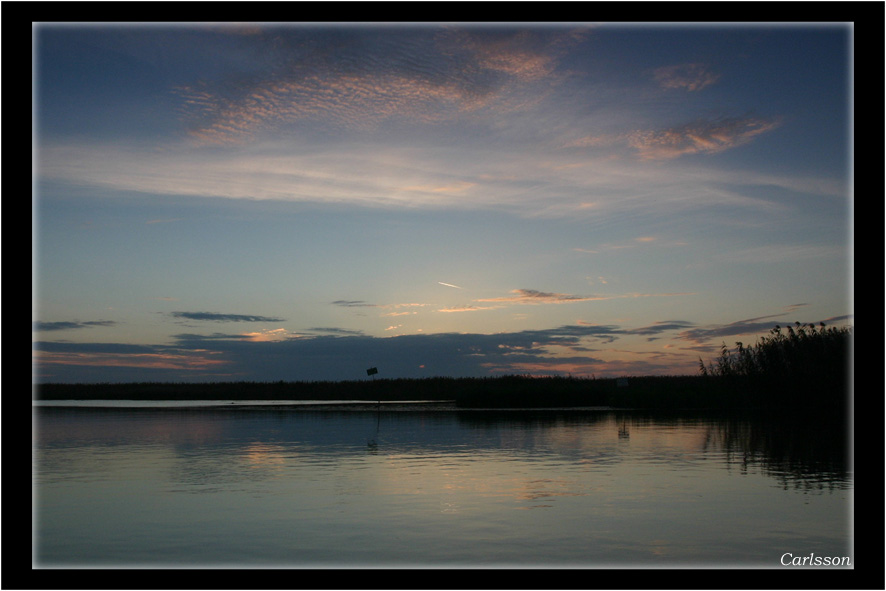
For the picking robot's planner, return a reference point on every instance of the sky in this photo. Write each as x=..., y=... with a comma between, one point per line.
x=262, y=202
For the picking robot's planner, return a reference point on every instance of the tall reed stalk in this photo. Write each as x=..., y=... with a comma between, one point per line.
x=800, y=365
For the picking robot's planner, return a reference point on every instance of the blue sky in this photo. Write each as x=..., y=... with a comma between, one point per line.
x=301, y=202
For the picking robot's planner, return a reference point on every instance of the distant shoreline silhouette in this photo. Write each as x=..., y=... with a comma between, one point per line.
x=650, y=392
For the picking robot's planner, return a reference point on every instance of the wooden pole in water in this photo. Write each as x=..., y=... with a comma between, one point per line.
x=371, y=372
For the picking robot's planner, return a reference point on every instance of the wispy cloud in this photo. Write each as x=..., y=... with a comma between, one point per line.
x=698, y=137
x=654, y=331
x=531, y=296
x=660, y=327
x=333, y=330
x=399, y=308
x=466, y=309
x=69, y=325
x=405, y=313
x=703, y=136
x=354, y=304
x=532, y=180
x=215, y=317
x=754, y=326
x=215, y=336
x=640, y=241
x=424, y=75
x=270, y=334
x=115, y=355
x=759, y=325
x=690, y=77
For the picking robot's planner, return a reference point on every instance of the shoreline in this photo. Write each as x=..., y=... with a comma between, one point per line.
x=306, y=405
x=702, y=392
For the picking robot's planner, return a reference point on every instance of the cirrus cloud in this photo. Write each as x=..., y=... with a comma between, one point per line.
x=532, y=296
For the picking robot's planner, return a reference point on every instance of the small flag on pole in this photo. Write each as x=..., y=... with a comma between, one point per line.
x=372, y=371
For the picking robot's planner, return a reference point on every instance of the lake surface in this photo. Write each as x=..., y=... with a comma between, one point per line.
x=318, y=486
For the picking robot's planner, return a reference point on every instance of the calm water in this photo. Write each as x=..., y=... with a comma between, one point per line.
x=431, y=486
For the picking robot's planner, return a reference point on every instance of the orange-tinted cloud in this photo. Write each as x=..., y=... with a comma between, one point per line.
x=466, y=308
x=531, y=296
x=698, y=137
